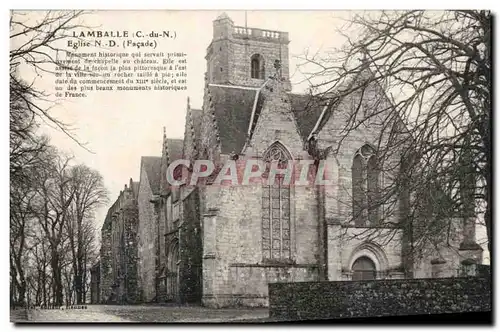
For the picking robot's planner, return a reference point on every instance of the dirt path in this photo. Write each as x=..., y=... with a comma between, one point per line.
x=143, y=313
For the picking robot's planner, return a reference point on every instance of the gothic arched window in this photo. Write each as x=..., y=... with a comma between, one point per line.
x=373, y=189
x=358, y=197
x=364, y=269
x=365, y=186
x=276, y=210
x=257, y=66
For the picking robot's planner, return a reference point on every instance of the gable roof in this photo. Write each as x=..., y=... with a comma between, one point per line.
x=233, y=110
x=152, y=166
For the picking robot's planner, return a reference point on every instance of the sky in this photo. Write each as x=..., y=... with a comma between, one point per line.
x=120, y=127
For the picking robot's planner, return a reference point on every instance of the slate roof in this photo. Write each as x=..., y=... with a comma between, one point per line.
x=307, y=110
x=233, y=110
x=152, y=165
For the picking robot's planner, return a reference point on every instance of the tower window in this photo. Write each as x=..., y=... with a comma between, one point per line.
x=276, y=211
x=257, y=66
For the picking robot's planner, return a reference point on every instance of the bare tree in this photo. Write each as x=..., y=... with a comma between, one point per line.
x=25, y=150
x=55, y=195
x=19, y=219
x=36, y=43
x=432, y=73
x=40, y=267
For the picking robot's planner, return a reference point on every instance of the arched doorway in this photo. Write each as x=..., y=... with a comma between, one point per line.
x=364, y=269
x=172, y=280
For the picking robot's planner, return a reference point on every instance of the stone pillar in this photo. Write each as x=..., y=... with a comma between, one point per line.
x=322, y=234
x=334, y=233
x=328, y=195
x=469, y=249
x=209, y=264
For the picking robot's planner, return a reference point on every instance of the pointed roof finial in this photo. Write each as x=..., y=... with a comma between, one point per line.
x=188, y=103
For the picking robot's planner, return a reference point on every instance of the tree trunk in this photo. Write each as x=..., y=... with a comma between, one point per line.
x=38, y=294
x=44, y=286
x=78, y=288
x=22, y=292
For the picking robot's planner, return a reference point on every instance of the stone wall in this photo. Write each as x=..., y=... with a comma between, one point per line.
x=106, y=268
x=118, y=268
x=381, y=245
x=348, y=299
x=130, y=223
x=234, y=270
x=484, y=271
x=146, y=240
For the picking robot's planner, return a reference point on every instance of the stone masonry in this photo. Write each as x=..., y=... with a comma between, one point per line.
x=334, y=300
x=118, y=270
x=221, y=245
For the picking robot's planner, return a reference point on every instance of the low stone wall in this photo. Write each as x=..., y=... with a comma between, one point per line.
x=248, y=283
x=484, y=271
x=356, y=299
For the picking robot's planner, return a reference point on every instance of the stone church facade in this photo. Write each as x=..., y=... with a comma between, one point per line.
x=221, y=245
x=117, y=281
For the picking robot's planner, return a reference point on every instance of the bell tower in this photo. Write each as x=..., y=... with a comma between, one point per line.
x=246, y=56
